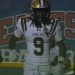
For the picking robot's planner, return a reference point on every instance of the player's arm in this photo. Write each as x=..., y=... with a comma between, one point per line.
x=14, y=38
x=62, y=46
x=59, y=41
x=16, y=35
x=62, y=54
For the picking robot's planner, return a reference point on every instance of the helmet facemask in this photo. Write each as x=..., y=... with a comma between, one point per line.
x=41, y=13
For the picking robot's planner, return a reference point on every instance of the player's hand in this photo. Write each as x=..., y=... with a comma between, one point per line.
x=14, y=54
x=65, y=61
x=58, y=69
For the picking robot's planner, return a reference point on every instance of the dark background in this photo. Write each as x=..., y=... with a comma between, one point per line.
x=13, y=7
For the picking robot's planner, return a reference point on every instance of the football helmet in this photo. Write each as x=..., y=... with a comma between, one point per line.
x=41, y=9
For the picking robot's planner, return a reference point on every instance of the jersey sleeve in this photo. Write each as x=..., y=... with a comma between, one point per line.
x=18, y=29
x=58, y=33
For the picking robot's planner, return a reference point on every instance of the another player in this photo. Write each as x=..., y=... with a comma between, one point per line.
x=40, y=33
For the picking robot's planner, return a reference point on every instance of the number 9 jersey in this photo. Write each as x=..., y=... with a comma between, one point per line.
x=37, y=39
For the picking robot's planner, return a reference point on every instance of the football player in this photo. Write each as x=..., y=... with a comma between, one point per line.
x=40, y=32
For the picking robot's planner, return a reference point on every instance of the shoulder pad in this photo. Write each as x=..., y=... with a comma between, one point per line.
x=53, y=20
x=26, y=18
x=54, y=23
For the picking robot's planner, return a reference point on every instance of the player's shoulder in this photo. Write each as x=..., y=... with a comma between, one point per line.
x=55, y=23
x=54, y=20
x=26, y=18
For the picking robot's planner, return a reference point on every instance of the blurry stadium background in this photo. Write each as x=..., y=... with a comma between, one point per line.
x=11, y=10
